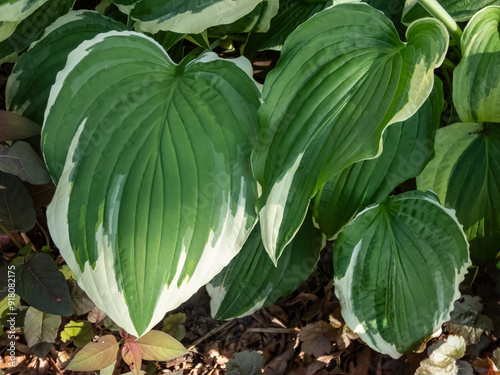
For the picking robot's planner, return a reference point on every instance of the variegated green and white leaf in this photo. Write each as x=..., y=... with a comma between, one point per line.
x=189, y=17
x=31, y=28
x=155, y=193
x=476, y=80
x=291, y=14
x=408, y=147
x=397, y=268
x=311, y=127
x=465, y=174
x=35, y=72
x=18, y=10
x=460, y=10
x=258, y=20
x=251, y=281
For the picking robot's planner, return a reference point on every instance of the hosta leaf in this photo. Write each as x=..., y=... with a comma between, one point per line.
x=17, y=10
x=460, y=10
x=159, y=346
x=465, y=174
x=476, y=82
x=40, y=284
x=32, y=28
x=16, y=207
x=14, y=127
x=35, y=72
x=408, y=146
x=258, y=20
x=397, y=268
x=159, y=213
x=291, y=14
x=21, y=160
x=190, y=17
x=95, y=356
x=311, y=127
x=6, y=29
x=251, y=281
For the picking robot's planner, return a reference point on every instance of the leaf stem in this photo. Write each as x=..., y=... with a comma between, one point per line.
x=11, y=235
x=437, y=11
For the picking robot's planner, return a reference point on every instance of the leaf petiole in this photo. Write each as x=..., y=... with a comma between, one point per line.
x=437, y=11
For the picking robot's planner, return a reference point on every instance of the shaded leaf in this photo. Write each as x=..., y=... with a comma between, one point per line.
x=16, y=207
x=317, y=338
x=467, y=321
x=79, y=332
x=95, y=355
x=173, y=326
x=14, y=127
x=400, y=261
x=41, y=285
x=96, y=315
x=158, y=346
x=22, y=161
x=245, y=363
x=40, y=327
x=80, y=302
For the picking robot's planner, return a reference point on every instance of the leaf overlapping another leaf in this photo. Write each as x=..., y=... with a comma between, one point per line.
x=343, y=77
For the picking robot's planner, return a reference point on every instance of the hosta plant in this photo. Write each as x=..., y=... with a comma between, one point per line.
x=176, y=169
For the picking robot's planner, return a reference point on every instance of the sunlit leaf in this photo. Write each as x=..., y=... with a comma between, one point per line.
x=158, y=346
x=95, y=355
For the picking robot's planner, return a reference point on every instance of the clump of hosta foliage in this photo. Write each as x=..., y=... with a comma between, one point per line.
x=176, y=170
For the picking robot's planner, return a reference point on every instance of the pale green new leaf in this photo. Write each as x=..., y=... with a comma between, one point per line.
x=408, y=146
x=397, y=268
x=190, y=17
x=476, y=80
x=251, y=281
x=343, y=59
x=159, y=346
x=155, y=193
x=32, y=28
x=17, y=10
x=460, y=10
x=95, y=355
x=28, y=86
x=465, y=174
x=6, y=29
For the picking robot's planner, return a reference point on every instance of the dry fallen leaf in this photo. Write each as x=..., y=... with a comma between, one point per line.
x=317, y=338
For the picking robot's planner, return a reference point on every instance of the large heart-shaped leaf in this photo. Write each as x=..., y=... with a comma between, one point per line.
x=190, y=17
x=465, y=174
x=338, y=85
x=155, y=194
x=460, y=10
x=21, y=160
x=28, y=86
x=408, y=146
x=397, y=268
x=251, y=281
x=476, y=80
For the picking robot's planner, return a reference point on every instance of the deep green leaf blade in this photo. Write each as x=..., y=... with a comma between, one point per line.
x=22, y=161
x=189, y=17
x=16, y=207
x=465, y=174
x=28, y=86
x=476, y=82
x=460, y=10
x=161, y=212
x=311, y=127
x=408, y=147
x=32, y=28
x=397, y=268
x=251, y=281
x=41, y=285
